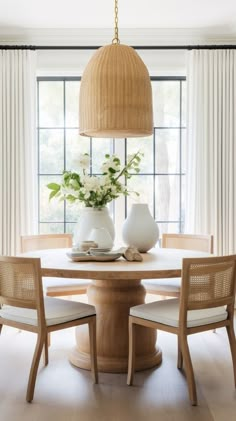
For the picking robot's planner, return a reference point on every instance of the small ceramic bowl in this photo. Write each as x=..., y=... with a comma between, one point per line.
x=85, y=246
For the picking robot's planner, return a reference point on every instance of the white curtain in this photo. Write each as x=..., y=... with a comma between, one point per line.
x=17, y=147
x=211, y=142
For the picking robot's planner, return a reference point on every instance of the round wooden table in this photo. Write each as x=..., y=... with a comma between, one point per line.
x=116, y=286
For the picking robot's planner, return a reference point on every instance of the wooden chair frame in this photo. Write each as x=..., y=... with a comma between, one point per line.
x=37, y=302
x=182, y=241
x=185, y=241
x=45, y=241
x=49, y=241
x=185, y=304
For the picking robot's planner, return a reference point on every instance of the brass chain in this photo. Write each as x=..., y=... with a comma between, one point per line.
x=116, y=38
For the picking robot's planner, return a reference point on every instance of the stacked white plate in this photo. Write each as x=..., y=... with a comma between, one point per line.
x=98, y=255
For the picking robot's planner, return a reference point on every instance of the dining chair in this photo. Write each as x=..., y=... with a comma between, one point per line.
x=24, y=307
x=206, y=302
x=55, y=287
x=170, y=287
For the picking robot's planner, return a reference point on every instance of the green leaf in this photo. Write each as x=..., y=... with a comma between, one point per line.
x=54, y=186
x=52, y=194
x=70, y=198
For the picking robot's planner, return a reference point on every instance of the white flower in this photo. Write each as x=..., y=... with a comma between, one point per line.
x=91, y=183
x=95, y=191
x=83, y=161
x=104, y=180
x=113, y=189
x=83, y=190
x=86, y=196
x=105, y=167
x=110, y=163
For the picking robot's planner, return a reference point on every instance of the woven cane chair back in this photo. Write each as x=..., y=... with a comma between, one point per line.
x=208, y=283
x=188, y=242
x=45, y=241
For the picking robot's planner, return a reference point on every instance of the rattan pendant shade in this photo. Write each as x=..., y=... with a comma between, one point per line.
x=115, y=95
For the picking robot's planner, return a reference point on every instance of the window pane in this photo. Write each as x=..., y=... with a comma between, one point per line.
x=167, y=150
x=60, y=145
x=70, y=228
x=75, y=145
x=51, y=107
x=72, y=212
x=142, y=184
x=144, y=145
x=183, y=198
x=165, y=227
x=166, y=103
x=184, y=106
x=184, y=151
x=100, y=147
x=167, y=198
x=51, y=228
x=72, y=103
x=53, y=210
x=51, y=149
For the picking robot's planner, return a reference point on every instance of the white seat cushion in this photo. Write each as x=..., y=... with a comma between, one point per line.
x=167, y=312
x=56, y=311
x=166, y=284
x=64, y=284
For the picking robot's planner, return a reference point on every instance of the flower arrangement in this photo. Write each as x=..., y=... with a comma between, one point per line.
x=92, y=190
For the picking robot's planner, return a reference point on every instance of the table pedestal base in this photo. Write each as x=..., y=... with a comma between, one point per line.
x=113, y=299
x=112, y=365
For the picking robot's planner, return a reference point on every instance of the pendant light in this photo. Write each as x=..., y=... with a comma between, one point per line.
x=115, y=93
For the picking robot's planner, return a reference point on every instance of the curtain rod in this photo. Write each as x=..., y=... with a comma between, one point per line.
x=136, y=47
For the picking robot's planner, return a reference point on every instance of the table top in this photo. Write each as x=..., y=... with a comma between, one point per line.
x=157, y=263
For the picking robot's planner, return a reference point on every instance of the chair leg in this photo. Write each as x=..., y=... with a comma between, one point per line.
x=232, y=343
x=189, y=369
x=34, y=367
x=131, y=359
x=180, y=356
x=46, y=349
x=0, y=328
x=93, y=348
x=49, y=339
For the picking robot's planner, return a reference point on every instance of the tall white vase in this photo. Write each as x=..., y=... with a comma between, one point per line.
x=140, y=229
x=91, y=218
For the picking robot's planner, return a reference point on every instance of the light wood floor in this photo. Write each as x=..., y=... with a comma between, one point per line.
x=65, y=393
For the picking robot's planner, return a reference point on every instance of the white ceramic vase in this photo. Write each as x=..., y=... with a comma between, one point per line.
x=91, y=218
x=140, y=229
x=101, y=237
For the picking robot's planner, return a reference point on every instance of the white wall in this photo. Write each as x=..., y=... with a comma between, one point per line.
x=72, y=62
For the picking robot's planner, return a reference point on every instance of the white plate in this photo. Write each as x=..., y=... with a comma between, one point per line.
x=105, y=257
x=77, y=253
x=99, y=250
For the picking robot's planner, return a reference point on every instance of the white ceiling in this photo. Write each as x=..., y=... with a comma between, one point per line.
x=217, y=15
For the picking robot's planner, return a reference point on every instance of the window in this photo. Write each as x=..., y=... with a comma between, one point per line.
x=161, y=181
